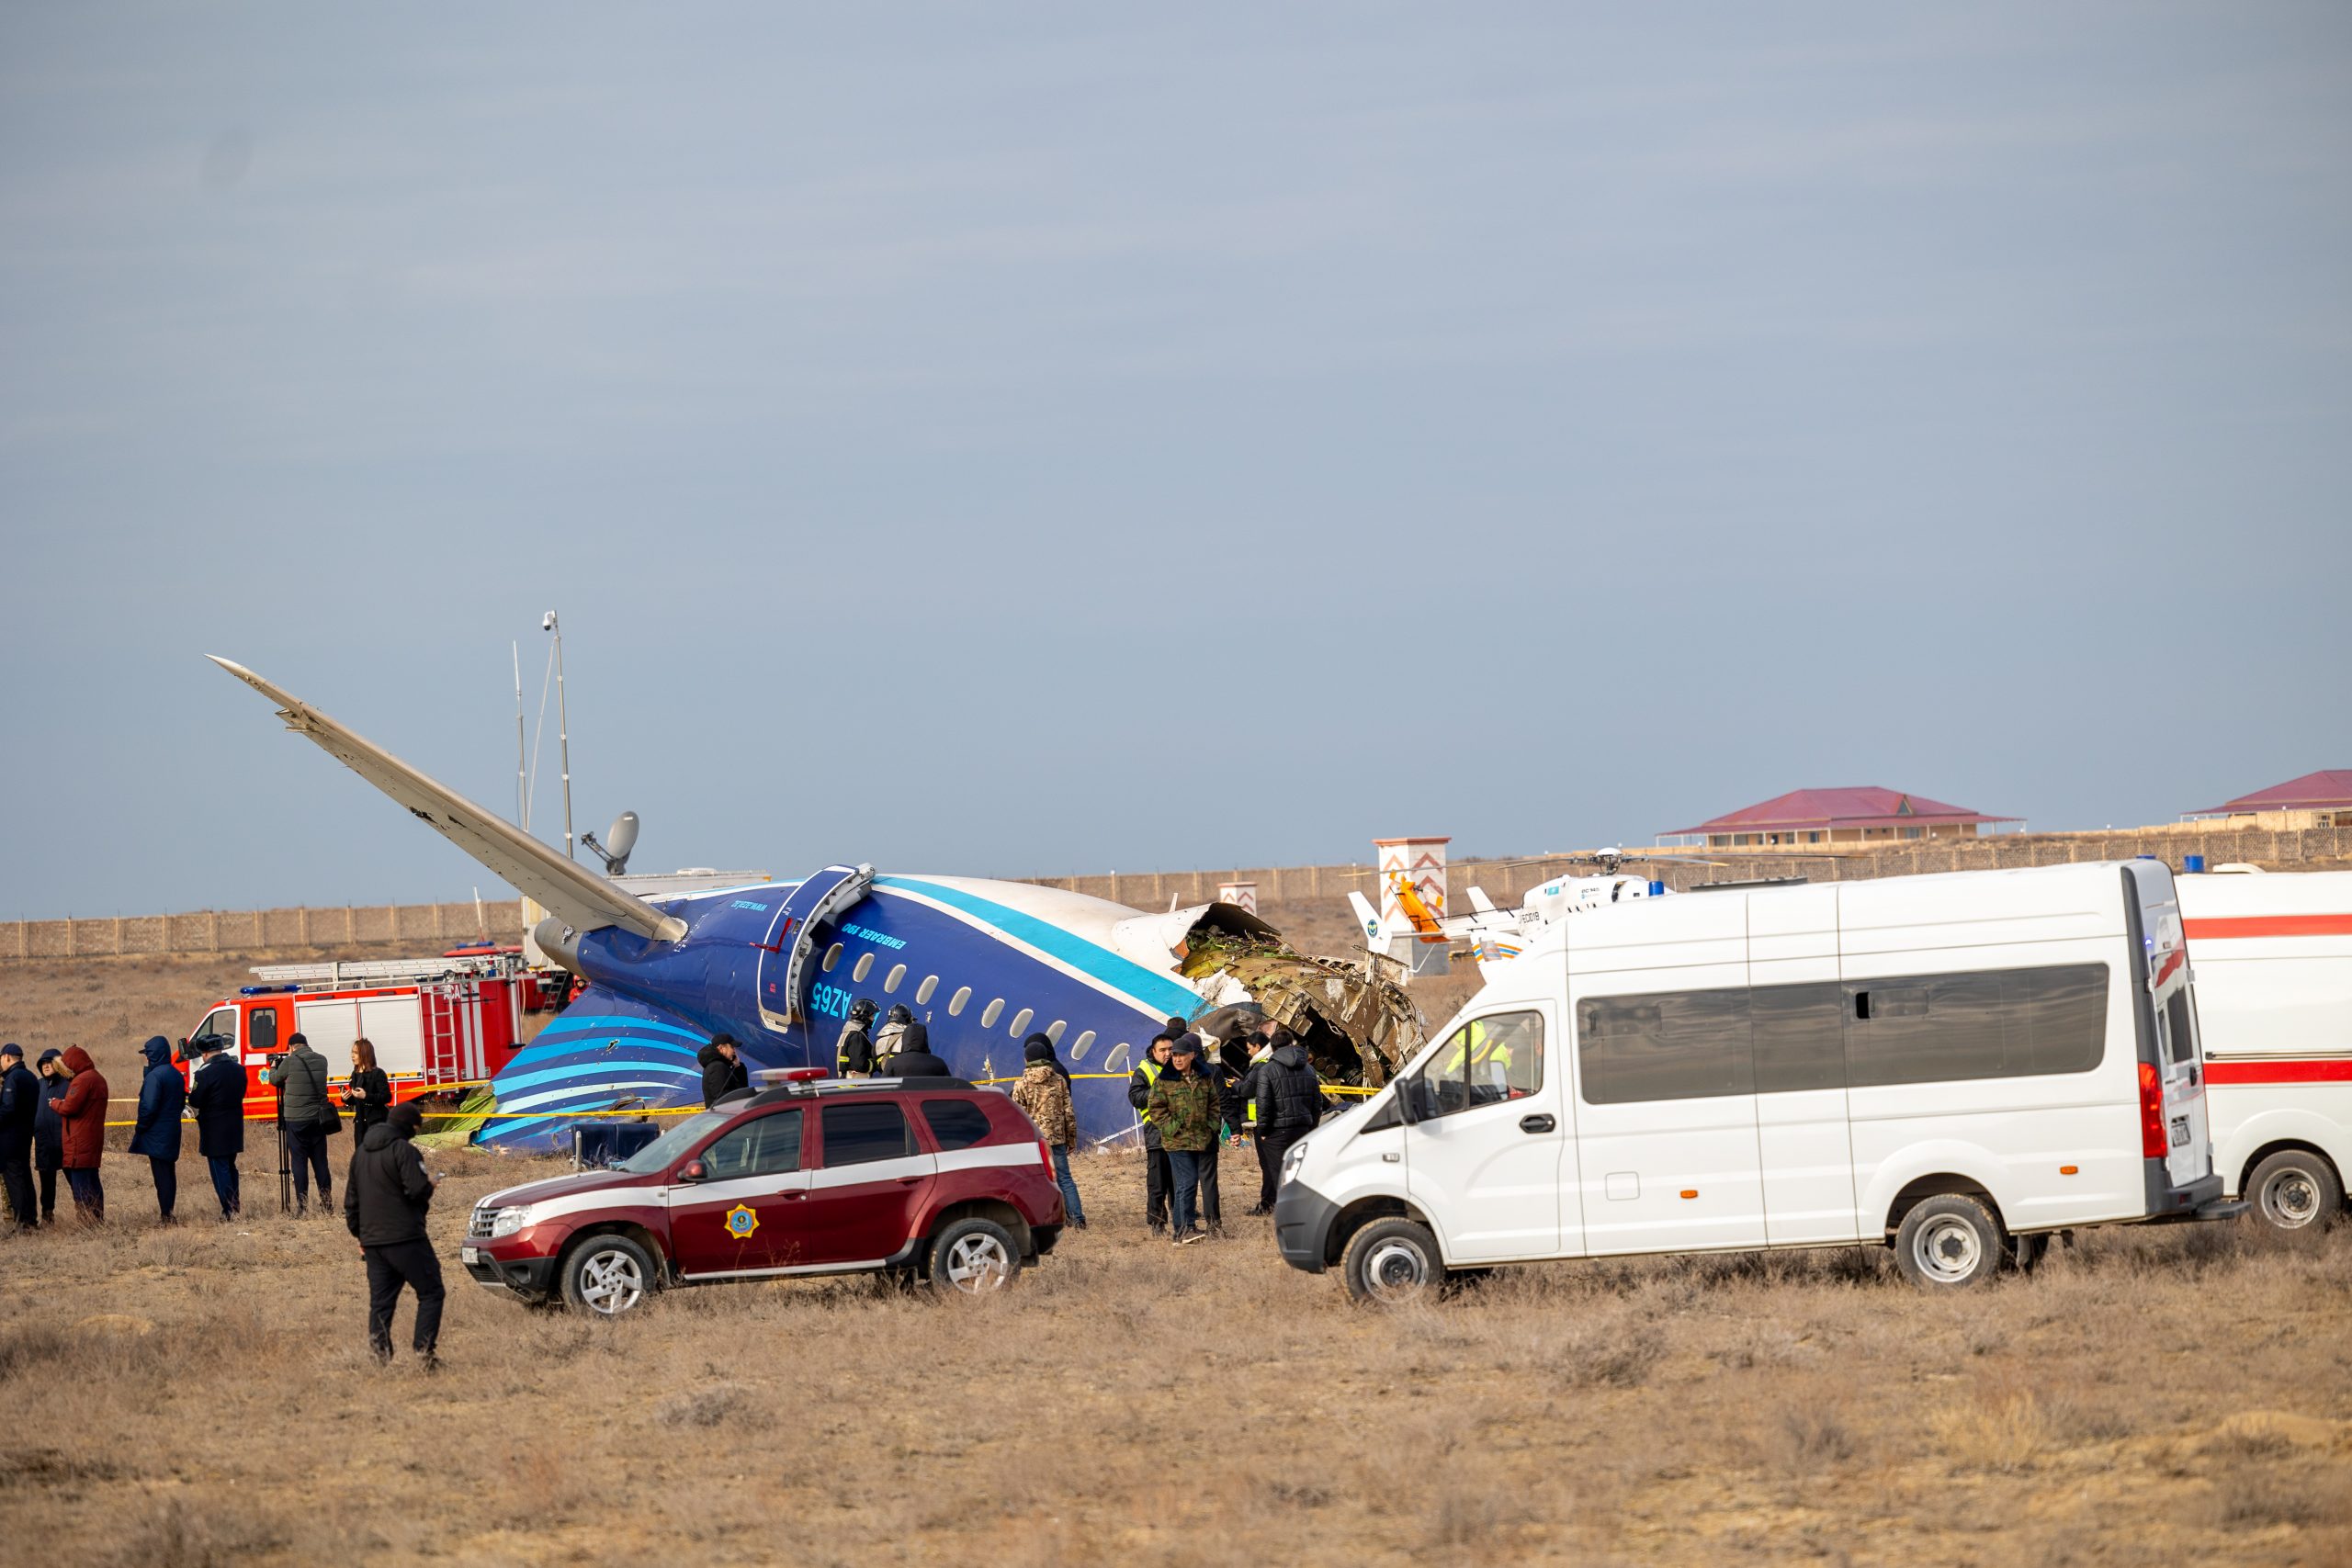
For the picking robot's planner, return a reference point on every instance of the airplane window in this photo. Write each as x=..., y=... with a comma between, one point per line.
x=922, y=992
x=832, y=956
x=955, y=1003
x=864, y=968
x=1053, y=1031
x=1116, y=1062
x=1021, y=1020
x=1085, y=1043
x=897, y=973
x=987, y=1018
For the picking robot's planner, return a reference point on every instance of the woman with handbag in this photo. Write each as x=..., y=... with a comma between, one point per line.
x=369, y=1092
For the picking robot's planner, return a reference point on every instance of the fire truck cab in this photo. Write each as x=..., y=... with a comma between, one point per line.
x=434, y=1022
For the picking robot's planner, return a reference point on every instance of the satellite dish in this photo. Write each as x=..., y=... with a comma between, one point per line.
x=620, y=839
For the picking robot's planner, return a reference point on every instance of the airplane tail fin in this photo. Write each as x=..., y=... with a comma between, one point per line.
x=1368, y=921
x=1481, y=903
x=574, y=894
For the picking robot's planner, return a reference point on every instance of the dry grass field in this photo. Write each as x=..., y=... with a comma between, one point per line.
x=201, y=1394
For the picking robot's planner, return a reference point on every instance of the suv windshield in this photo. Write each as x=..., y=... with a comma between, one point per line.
x=658, y=1154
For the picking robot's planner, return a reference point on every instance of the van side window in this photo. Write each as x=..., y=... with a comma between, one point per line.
x=1485, y=1062
x=1800, y=1036
x=221, y=1024
x=261, y=1033
x=1992, y=1024
x=767, y=1146
x=1671, y=1045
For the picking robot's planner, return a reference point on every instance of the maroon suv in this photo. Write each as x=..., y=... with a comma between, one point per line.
x=926, y=1176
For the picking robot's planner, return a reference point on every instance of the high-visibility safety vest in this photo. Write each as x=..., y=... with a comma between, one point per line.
x=1151, y=1071
x=1477, y=1051
x=1251, y=1109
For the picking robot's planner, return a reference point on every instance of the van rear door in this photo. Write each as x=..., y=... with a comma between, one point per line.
x=2163, y=976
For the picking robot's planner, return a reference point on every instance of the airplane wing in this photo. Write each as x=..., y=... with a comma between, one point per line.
x=569, y=891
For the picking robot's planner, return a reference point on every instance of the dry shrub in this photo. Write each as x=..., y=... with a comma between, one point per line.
x=2259, y=1498
x=2001, y=1429
x=1811, y=1436
x=174, y=1534
x=725, y=1404
x=32, y=1345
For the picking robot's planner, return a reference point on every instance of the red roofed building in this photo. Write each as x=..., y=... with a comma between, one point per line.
x=1839, y=817
x=2322, y=799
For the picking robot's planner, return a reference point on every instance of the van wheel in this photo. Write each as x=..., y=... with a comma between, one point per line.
x=2295, y=1187
x=1391, y=1262
x=1948, y=1241
x=607, y=1275
x=974, y=1257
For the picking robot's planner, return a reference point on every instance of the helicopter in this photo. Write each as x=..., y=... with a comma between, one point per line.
x=1492, y=935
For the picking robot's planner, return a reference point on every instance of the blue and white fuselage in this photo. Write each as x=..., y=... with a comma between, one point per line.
x=982, y=963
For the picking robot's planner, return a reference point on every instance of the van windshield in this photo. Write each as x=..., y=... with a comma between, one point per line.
x=658, y=1155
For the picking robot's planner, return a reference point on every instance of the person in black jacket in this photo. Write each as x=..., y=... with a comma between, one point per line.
x=723, y=1069
x=1290, y=1102
x=49, y=1131
x=156, y=1133
x=217, y=1095
x=19, y=1104
x=1156, y=1178
x=914, y=1059
x=385, y=1196
x=368, y=1092
x=853, y=1051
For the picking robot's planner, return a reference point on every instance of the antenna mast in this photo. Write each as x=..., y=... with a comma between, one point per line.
x=562, y=731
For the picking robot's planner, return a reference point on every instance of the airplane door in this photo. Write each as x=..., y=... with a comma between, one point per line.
x=1484, y=1159
x=749, y=1212
x=784, y=955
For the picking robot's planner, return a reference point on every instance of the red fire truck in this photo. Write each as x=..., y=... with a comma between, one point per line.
x=434, y=1022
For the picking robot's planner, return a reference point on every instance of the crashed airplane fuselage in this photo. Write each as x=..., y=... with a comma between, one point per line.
x=983, y=964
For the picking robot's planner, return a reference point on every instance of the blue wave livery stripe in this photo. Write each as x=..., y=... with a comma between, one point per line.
x=1155, y=990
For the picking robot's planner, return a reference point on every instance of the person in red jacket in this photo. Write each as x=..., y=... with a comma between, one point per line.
x=82, y=1109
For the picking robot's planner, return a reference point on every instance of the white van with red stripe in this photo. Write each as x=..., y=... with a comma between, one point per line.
x=1958, y=1066
x=2273, y=958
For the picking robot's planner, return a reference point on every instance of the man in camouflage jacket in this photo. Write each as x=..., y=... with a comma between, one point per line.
x=1184, y=1108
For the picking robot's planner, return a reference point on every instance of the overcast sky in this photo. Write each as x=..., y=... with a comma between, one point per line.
x=1026, y=440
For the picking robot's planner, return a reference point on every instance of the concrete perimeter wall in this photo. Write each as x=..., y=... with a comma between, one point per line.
x=428, y=925
x=238, y=931
x=1506, y=882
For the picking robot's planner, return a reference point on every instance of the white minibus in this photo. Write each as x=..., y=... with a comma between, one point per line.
x=1957, y=1065
x=2273, y=961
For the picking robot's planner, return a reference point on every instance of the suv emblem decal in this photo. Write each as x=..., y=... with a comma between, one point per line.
x=741, y=1222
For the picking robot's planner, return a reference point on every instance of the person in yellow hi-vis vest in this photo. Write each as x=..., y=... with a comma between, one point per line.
x=1155, y=1157
x=1481, y=1059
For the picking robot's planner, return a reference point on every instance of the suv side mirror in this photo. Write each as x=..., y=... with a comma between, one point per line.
x=693, y=1171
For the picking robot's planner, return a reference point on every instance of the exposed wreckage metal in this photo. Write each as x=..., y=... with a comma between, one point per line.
x=1354, y=1018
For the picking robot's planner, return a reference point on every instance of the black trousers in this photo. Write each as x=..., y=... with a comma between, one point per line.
x=1156, y=1183
x=410, y=1263
x=1272, y=1144
x=224, y=1185
x=307, y=1147
x=17, y=1175
x=1212, y=1205
x=167, y=1182
x=49, y=1194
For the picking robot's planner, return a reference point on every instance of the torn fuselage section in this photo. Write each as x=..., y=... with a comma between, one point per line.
x=1354, y=1018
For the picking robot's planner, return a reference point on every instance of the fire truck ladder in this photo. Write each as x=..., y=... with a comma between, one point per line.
x=444, y=1038
x=376, y=970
